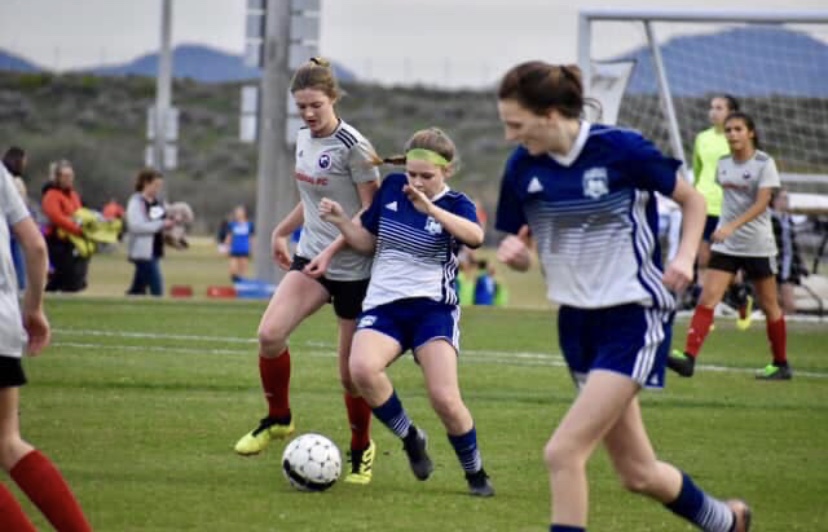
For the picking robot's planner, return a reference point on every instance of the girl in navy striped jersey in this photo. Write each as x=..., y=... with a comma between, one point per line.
x=414, y=228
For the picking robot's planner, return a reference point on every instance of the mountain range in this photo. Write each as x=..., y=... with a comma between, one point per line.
x=747, y=61
x=194, y=61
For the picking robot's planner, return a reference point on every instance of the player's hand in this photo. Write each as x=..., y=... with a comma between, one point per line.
x=418, y=199
x=37, y=327
x=331, y=211
x=514, y=250
x=721, y=234
x=281, y=251
x=679, y=274
x=317, y=267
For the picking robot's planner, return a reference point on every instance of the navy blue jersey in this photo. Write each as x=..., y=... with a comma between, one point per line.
x=415, y=256
x=593, y=215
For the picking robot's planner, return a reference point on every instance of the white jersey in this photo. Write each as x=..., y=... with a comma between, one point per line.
x=12, y=335
x=741, y=182
x=332, y=167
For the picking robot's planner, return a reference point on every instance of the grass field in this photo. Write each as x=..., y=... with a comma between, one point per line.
x=140, y=403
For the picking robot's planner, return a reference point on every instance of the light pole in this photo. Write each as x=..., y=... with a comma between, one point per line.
x=276, y=192
x=163, y=87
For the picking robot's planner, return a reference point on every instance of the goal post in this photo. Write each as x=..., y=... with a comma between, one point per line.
x=774, y=62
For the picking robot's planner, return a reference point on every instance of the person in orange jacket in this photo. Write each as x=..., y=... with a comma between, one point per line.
x=60, y=201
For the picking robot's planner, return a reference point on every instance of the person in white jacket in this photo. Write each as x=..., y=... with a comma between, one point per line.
x=146, y=221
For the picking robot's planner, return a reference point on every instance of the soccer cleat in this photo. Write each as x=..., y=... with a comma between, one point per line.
x=479, y=484
x=362, y=462
x=414, y=444
x=772, y=372
x=681, y=363
x=741, y=515
x=745, y=314
x=257, y=439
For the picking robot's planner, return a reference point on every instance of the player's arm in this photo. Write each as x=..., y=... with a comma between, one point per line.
x=34, y=249
x=353, y=233
x=679, y=272
x=366, y=195
x=290, y=223
x=466, y=231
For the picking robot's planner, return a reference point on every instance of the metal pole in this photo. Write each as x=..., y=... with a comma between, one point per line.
x=163, y=87
x=584, y=51
x=276, y=190
x=667, y=98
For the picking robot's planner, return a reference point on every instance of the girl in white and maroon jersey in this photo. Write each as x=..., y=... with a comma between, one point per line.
x=742, y=240
x=332, y=160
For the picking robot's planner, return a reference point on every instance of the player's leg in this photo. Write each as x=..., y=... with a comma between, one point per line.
x=376, y=344
x=766, y=293
x=641, y=472
x=717, y=280
x=438, y=360
x=297, y=297
x=34, y=473
x=601, y=402
x=347, y=302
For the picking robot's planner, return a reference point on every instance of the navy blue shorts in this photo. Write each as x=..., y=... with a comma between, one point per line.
x=414, y=322
x=710, y=225
x=629, y=339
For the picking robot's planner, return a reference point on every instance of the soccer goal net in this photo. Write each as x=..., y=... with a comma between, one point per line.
x=656, y=71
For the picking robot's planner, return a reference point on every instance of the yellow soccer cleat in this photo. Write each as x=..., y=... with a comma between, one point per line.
x=745, y=314
x=256, y=440
x=362, y=463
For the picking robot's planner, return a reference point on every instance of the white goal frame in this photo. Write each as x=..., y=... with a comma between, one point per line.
x=648, y=16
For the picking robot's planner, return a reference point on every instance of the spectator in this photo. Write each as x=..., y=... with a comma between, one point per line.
x=60, y=201
x=789, y=266
x=145, y=239
x=485, y=288
x=239, y=242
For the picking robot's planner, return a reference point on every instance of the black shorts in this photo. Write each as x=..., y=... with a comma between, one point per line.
x=346, y=296
x=710, y=225
x=11, y=372
x=754, y=267
x=238, y=255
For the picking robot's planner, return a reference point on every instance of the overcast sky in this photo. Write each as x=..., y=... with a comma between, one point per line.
x=439, y=42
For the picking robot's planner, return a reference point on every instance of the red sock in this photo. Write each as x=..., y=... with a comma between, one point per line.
x=45, y=486
x=275, y=374
x=699, y=329
x=12, y=517
x=359, y=415
x=777, y=336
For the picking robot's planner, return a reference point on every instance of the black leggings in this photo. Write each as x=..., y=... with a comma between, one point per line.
x=68, y=270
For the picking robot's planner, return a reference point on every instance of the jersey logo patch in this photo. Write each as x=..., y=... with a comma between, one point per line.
x=596, y=183
x=324, y=161
x=534, y=186
x=746, y=175
x=391, y=206
x=433, y=226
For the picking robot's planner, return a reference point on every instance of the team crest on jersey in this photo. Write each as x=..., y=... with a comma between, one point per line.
x=433, y=226
x=746, y=175
x=324, y=161
x=596, y=183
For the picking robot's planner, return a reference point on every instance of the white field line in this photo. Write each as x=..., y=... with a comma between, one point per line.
x=325, y=349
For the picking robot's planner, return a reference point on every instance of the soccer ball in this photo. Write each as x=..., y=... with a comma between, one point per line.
x=311, y=462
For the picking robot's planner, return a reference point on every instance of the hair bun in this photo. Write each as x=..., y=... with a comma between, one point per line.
x=320, y=61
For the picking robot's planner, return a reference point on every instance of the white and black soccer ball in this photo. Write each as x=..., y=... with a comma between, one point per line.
x=311, y=462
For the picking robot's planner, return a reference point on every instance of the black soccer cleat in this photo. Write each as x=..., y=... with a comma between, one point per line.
x=414, y=444
x=479, y=484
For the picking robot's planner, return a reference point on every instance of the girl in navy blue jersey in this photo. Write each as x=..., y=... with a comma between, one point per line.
x=586, y=194
x=414, y=228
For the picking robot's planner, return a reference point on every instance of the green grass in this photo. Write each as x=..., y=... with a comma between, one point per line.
x=140, y=403
x=143, y=425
